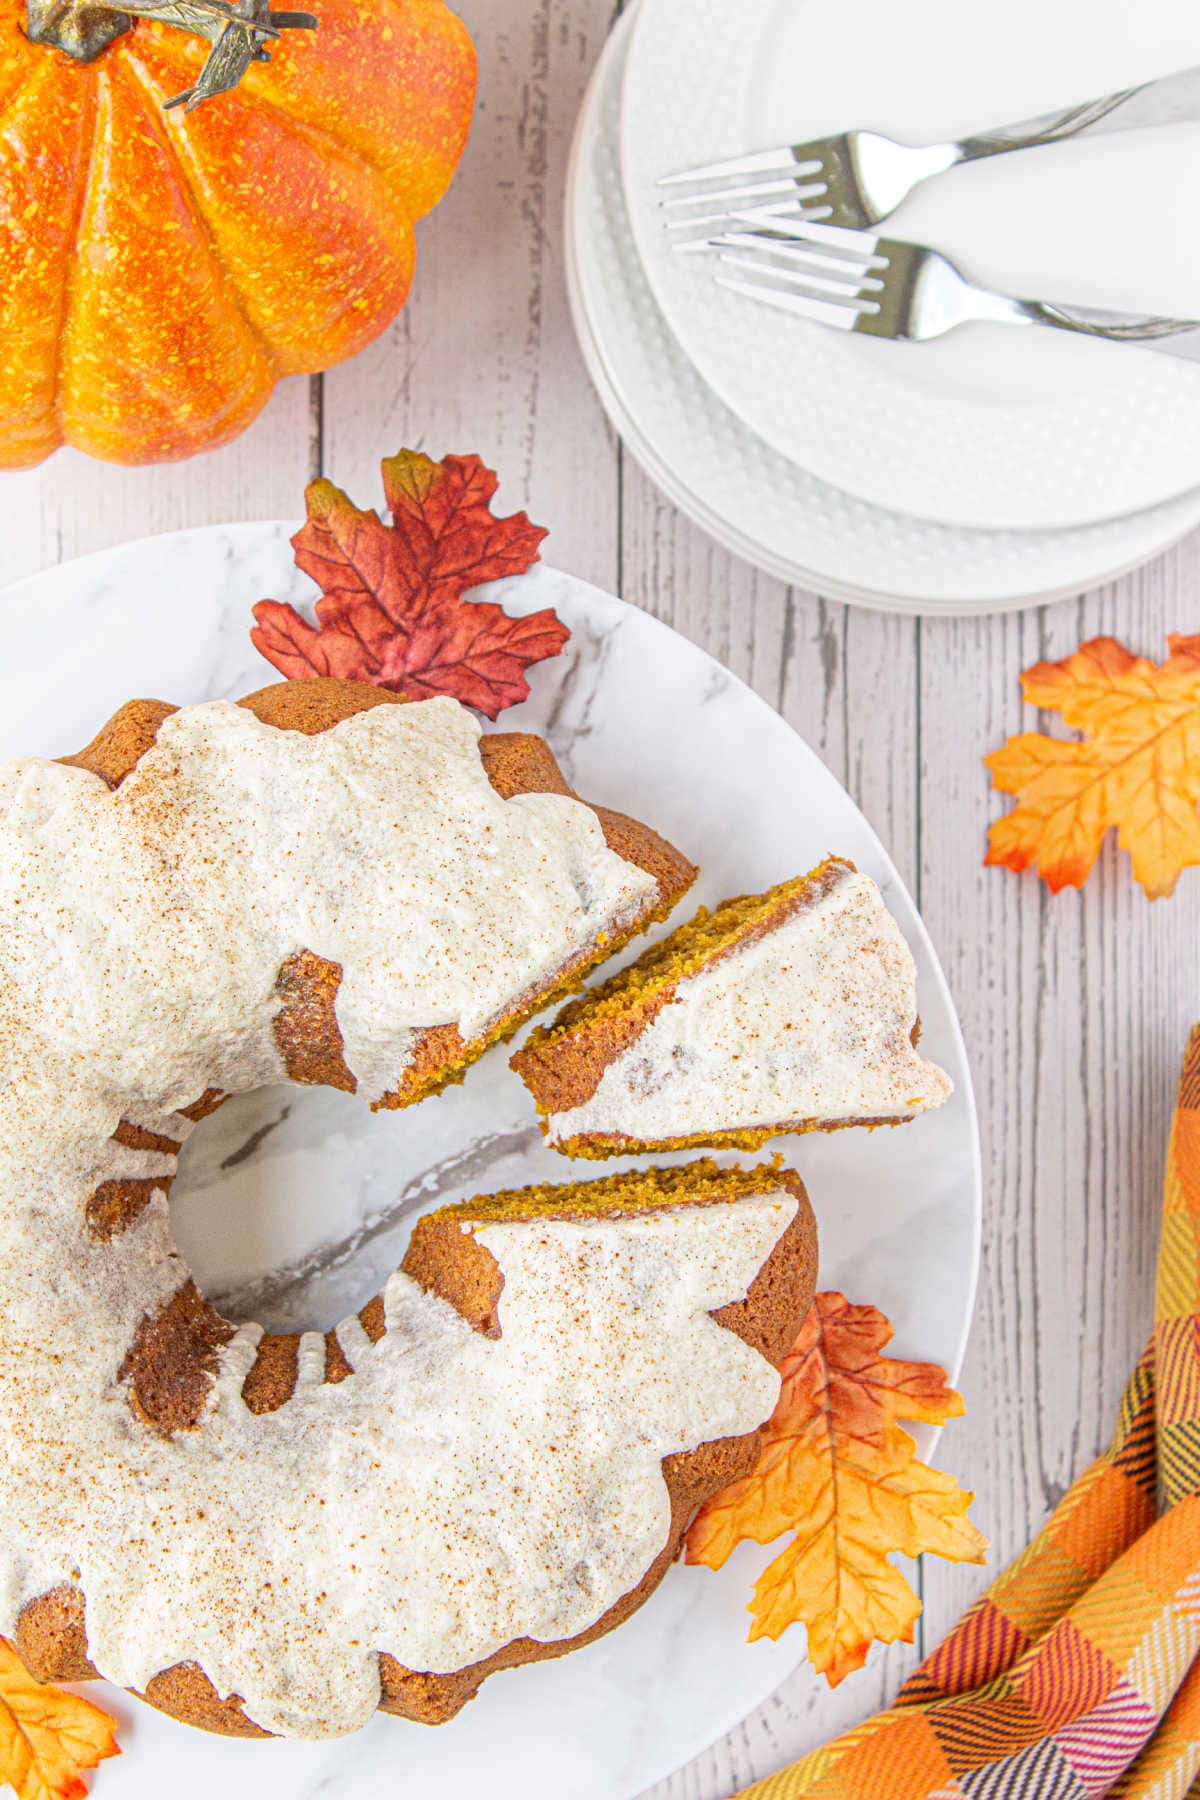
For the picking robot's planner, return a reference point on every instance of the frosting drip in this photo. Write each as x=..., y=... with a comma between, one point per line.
x=455, y=1492
x=810, y=1021
x=151, y=923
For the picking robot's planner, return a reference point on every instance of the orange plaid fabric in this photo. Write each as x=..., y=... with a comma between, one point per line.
x=1077, y=1674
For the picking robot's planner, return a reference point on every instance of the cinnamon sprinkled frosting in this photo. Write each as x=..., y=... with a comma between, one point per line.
x=455, y=1492
x=811, y=1020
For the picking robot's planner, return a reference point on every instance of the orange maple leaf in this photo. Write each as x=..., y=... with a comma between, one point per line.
x=1138, y=767
x=836, y=1469
x=47, y=1736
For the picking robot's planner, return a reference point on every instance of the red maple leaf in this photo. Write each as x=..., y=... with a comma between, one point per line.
x=392, y=610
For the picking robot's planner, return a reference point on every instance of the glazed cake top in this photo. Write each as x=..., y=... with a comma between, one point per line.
x=153, y=920
x=455, y=1492
x=810, y=1019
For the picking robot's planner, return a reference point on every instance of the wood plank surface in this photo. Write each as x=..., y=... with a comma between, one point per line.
x=1075, y=1009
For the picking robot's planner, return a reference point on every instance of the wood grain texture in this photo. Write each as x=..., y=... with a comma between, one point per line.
x=484, y=356
x=70, y=504
x=1075, y=1009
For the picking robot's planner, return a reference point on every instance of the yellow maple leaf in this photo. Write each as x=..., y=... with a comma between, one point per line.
x=1137, y=768
x=837, y=1469
x=47, y=1735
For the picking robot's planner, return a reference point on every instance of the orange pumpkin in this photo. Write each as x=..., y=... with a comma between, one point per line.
x=160, y=270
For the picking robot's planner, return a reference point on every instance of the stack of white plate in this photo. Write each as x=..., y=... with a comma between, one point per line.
x=993, y=468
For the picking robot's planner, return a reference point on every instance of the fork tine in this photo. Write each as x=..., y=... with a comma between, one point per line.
x=758, y=163
x=828, y=260
x=865, y=244
x=687, y=233
x=821, y=312
x=727, y=197
x=846, y=293
x=706, y=232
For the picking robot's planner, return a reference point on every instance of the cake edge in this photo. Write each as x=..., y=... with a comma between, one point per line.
x=51, y=1630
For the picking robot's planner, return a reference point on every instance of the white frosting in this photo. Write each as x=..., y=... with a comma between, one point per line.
x=810, y=1021
x=455, y=1492
x=151, y=923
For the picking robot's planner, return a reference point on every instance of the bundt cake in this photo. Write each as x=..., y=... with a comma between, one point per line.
x=492, y=1461
x=789, y=1011
x=517, y=901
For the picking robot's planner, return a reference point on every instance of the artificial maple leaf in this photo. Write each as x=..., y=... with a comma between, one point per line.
x=392, y=610
x=837, y=1469
x=47, y=1736
x=1138, y=767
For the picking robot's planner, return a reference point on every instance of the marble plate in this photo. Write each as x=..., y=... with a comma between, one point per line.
x=292, y=1205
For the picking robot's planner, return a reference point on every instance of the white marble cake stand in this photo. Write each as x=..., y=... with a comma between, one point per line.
x=292, y=1205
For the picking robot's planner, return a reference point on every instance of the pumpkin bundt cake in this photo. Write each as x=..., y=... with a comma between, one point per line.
x=514, y=902
x=492, y=1464
x=789, y=1011
x=495, y=1459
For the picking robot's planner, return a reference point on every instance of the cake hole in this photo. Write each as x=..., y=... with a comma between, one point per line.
x=279, y=1202
x=293, y=1205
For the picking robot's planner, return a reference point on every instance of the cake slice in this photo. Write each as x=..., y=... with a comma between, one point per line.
x=789, y=1011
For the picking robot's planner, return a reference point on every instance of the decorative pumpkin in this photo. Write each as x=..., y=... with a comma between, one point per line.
x=161, y=269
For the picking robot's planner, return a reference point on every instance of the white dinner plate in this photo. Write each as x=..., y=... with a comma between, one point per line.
x=298, y=1202
x=749, y=497
x=989, y=426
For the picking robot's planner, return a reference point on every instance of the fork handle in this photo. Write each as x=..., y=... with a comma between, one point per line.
x=1173, y=337
x=1170, y=101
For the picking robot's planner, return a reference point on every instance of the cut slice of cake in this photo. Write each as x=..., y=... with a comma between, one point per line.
x=789, y=1011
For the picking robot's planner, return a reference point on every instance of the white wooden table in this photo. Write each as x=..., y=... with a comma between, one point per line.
x=1075, y=1009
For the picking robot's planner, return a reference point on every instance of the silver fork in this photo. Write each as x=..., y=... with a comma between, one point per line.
x=858, y=178
x=857, y=281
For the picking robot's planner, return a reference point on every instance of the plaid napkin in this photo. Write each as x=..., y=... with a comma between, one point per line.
x=1078, y=1672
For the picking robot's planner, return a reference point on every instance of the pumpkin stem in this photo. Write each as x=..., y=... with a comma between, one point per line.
x=237, y=29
